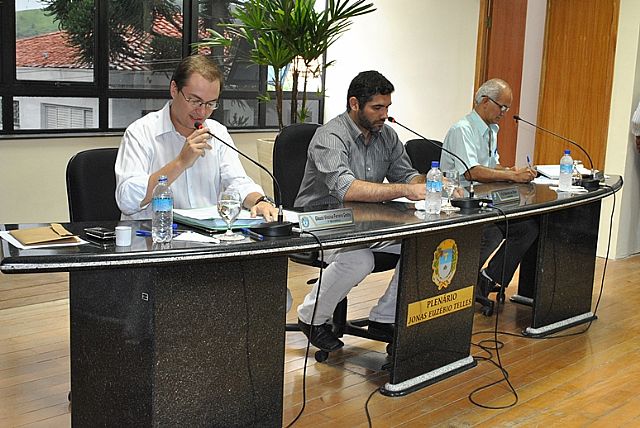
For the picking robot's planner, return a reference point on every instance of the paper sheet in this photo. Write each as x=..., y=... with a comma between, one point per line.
x=13, y=241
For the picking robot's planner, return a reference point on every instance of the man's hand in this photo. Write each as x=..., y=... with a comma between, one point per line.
x=266, y=210
x=523, y=175
x=195, y=146
x=416, y=191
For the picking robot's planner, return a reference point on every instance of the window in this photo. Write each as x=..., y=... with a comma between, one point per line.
x=100, y=65
x=56, y=116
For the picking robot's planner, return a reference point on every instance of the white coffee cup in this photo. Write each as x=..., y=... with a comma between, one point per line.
x=123, y=236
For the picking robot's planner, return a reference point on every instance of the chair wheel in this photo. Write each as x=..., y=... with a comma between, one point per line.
x=487, y=311
x=321, y=356
x=69, y=396
x=389, y=349
x=501, y=297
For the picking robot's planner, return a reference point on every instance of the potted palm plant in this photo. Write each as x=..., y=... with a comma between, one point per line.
x=288, y=34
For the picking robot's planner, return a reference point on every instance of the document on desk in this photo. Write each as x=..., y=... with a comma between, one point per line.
x=6, y=235
x=553, y=171
x=208, y=218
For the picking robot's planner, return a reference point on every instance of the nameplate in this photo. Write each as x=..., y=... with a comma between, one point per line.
x=510, y=195
x=328, y=219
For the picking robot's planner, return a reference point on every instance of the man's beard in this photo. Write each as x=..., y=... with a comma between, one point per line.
x=367, y=124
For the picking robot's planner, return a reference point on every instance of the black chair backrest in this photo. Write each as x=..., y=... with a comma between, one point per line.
x=290, y=158
x=91, y=185
x=422, y=152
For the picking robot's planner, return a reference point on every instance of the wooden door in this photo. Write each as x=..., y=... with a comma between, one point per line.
x=500, y=54
x=577, y=75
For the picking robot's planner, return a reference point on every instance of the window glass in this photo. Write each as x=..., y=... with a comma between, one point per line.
x=56, y=112
x=272, y=119
x=238, y=113
x=53, y=41
x=240, y=74
x=145, y=43
x=124, y=111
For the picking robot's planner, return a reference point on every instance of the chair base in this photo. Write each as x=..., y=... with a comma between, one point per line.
x=341, y=327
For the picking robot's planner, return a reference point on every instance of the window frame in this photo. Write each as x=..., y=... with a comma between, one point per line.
x=11, y=87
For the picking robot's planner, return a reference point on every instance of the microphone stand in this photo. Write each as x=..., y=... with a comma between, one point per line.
x=466, y=204
x=589, y=183
x=278, y=228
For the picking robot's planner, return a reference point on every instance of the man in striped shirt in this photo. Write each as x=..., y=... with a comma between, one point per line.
x=348, y=160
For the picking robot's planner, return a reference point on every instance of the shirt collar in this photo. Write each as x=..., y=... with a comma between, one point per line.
x=480, y=125
x=354, y=131
x=166, y=125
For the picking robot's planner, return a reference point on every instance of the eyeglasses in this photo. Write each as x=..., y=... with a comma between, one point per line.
x=503, y=108
x=208, y=105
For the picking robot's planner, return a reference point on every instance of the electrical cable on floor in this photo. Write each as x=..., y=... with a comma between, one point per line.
x=313, y=316
x=366, y=406
x=497, y=345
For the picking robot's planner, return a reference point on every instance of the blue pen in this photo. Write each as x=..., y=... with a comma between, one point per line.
x=252, y=234
x=528, y=161
x=142, y=232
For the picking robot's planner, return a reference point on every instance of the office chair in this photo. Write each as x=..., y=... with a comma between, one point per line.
x=91, y=185
x=421, y=153
x=289, y=161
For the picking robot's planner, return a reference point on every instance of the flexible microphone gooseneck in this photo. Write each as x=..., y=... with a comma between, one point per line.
x=470, y=203
x=276, y=228
x=589, y=183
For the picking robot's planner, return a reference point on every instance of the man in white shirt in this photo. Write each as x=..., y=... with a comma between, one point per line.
x=474, y=139
x=165, y=142
x=635, y=126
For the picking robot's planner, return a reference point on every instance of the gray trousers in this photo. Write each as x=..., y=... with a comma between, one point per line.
x=347, y=268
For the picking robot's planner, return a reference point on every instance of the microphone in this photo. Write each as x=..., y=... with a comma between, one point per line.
x=589, y=183
x=276, y=228
x=467, y=204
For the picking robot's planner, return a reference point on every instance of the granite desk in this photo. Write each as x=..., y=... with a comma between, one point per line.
x=193, y=334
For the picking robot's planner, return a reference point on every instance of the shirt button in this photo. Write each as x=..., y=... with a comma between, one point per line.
x=368, y=169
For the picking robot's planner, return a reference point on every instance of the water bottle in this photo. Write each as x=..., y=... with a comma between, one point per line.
x=433, y=201
x=162, y=205
x=566, y=171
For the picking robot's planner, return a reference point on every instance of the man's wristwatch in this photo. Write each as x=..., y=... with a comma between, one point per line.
x=266, y=199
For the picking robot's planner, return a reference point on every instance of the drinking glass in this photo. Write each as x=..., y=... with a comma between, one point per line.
x=450, y=181
x=229, y=207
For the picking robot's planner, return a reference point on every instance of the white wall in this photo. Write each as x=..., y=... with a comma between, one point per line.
x=621, y=156
x=530, y=87
x=32, y=174
x=426, y=48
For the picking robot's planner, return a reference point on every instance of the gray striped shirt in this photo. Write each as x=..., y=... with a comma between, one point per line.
x=337, y=156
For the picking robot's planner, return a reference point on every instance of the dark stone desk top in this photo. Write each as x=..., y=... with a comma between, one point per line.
x=374, y=222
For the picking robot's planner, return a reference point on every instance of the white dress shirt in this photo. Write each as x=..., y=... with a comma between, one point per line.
x=635, y=122
x=151, y=142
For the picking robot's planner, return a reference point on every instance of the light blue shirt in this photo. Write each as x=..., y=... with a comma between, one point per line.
x=474, y=141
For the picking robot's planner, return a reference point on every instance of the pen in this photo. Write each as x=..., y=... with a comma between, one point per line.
x=141, y=232
x=528, y=161
x=252, y=234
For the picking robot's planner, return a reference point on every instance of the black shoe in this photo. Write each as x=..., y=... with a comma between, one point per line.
x=321, y=336
x=382, y=331
x=486, y=286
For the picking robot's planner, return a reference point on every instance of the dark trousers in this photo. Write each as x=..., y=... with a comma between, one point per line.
x=521, y=235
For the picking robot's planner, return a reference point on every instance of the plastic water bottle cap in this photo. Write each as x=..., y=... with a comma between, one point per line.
x=435, y=164
x=567, y=152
